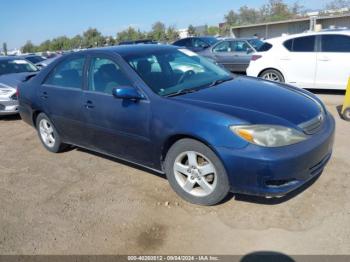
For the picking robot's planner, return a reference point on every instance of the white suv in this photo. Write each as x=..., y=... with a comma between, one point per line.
x=309, y=60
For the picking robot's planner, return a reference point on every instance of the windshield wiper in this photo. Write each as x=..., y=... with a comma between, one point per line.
x=220, y=81
x=182, y=92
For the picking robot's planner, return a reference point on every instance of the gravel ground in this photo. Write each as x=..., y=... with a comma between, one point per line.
x=79, y=202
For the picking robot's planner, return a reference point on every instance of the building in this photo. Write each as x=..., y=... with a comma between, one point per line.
x=294, y=26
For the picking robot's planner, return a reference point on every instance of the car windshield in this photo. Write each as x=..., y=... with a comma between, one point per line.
x=16, y=66
x=176, y=71
x=256, y=43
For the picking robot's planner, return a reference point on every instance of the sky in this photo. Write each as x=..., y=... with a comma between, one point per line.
x=39, y=20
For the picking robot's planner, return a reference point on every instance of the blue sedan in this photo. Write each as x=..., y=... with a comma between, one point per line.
x=170, y=110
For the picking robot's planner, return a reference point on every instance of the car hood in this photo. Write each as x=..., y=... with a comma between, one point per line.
x=12, y=80
x=257, y=101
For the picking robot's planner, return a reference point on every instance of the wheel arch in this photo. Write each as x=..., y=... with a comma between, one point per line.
x=272, y=68
x=171, y=140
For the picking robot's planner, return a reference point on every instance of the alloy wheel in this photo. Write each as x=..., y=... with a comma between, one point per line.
x=195, y=173
x=47, y=133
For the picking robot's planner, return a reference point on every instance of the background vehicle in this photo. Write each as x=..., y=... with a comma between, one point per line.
x=35, y=59
x=136, y=42
x=233, y=54
x=175, y=112
x=196, y=44
x=13, y=70
x=309, y=60
x=46, y=62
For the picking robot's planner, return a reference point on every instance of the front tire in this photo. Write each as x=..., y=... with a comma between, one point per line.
x=195, y=173
x=48, y=134
x=272, y=75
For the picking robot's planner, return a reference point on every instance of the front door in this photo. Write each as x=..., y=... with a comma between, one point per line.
x=117, y=127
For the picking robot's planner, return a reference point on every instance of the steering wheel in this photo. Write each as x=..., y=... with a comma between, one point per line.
x=187, y=74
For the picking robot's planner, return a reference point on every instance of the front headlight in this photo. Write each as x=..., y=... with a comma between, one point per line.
x=269, y=135
x=6, y=91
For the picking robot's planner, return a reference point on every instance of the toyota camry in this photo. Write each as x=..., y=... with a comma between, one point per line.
x=172, y=111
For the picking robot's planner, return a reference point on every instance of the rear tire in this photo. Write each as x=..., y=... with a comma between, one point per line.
x=346, y=114
x=48, y=135
x=272, y=75
x=195, y=173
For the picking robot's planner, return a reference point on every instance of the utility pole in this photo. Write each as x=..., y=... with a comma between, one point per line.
x=4, y=48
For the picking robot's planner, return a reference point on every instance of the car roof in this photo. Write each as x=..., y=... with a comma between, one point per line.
x=8, y=58
x=126, y=50
x=287, y=37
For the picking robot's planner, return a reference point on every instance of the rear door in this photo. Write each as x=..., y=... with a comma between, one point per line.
x=61, y=98
x=222, y=53
x=333, y=62
x=116, y=126
x=298, y=62
x=240, y=56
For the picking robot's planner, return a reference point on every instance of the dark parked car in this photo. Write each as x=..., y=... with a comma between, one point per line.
x=196, y=44
x=35, y=59
x=172, y=111
x=137, y=42
x=13, y=70
x=233, y=54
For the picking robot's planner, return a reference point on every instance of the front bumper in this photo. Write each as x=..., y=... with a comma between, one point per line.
x=8, y=106
x=274, y=172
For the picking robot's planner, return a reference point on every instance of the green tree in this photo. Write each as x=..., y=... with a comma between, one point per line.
x=172, y=34
x=76, y=42
x=92, y=38
x=338, y=4
x=158, y=32
x=4, y=48
x=231, y=18
x=191, y=30
x=28, y=47
x=130, y=34
x=213, y=30
x=276, y=10
x=248, y=15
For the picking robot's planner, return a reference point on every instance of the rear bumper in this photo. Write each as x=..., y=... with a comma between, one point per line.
x=8, y=107
x=274, y=172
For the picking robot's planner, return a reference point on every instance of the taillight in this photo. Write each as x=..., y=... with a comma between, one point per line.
x=17, y=92
x=255, y=57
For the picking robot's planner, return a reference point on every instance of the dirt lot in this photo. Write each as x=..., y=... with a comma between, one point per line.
x=82, y=203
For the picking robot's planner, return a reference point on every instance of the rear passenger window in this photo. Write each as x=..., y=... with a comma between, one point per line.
x=304, y=44
x=289, y=44
x=104, y=75
x=335, y=43
x=68, y=74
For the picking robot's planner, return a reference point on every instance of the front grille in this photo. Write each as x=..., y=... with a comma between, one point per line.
x=2, y=107
x=313, y=126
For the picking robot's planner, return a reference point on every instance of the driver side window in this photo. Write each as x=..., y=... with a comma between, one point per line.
x=104, y=75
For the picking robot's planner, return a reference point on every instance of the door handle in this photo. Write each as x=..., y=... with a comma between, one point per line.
x=44, y=95
x=285, y=58
x=89, y=105
x=325, y=59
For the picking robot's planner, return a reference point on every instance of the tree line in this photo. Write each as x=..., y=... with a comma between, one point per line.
x=272, y=10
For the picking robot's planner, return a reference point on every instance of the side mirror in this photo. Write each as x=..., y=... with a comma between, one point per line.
x=127, y=92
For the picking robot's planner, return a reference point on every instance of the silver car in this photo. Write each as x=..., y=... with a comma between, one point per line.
x=233, y=54
x=13, y=70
